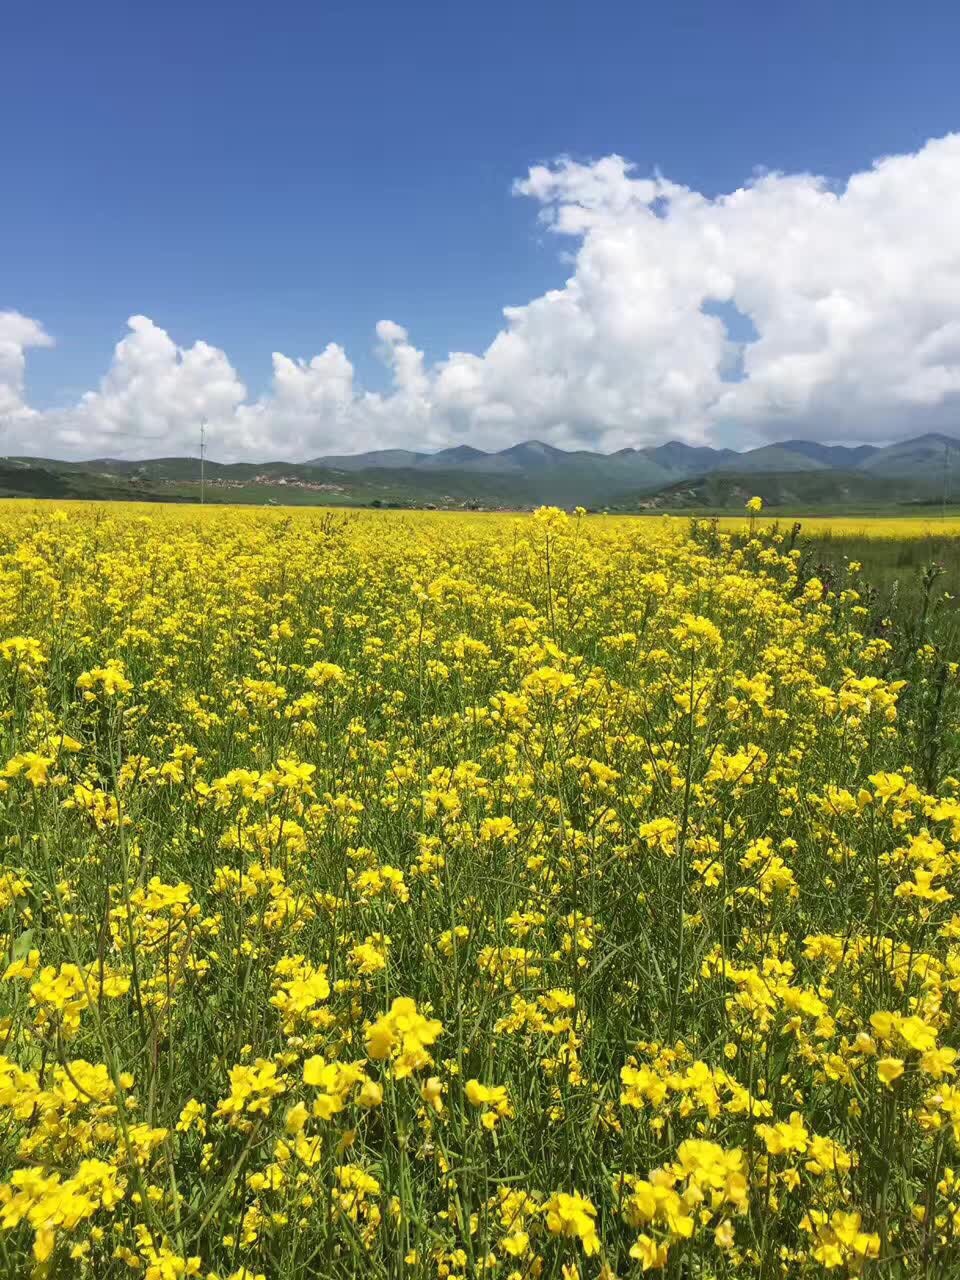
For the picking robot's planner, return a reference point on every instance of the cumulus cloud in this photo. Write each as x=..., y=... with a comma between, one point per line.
x=154, y=391
x=845, y=301
x=17, y=334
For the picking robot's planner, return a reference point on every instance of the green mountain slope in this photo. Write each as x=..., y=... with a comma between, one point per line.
x=842, y=457
x=679, y=459
x=773, y=457
x=55, y=481
x=784, y=490
x=924, y=458
x=376, y=458
x=524, y=475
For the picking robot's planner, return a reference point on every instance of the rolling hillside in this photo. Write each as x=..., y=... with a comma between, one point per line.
x=524, y=475
x=780, y=490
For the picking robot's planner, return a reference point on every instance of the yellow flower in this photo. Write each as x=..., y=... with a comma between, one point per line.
x=431, y=1091
x=723, y=1235
x=889, y=1070
x=295, y=1118
x=651, y=1254
x=403, y=1035
x=370, y=1094
x=781, y=1138
x=573, y=1215
x=492, y=1099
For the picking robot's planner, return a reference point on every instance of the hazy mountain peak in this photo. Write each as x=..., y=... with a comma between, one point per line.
x=460, y=453
x=533, y=448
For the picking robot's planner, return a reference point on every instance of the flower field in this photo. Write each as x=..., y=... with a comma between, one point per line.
x=451, y=896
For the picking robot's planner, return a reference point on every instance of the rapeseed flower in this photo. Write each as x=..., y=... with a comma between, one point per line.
x=502, y=894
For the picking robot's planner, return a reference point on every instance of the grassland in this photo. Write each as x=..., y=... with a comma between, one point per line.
x=443, y=896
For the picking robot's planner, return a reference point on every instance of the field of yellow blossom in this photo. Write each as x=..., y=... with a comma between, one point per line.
x=437, y=896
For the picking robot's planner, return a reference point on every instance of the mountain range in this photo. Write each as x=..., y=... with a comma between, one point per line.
x=789, y=474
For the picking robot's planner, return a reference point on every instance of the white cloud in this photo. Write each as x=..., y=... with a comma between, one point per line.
x=17, y=334
x=852, y=291
x=153, y=396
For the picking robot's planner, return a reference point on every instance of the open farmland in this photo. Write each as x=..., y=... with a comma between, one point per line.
x=449, y=896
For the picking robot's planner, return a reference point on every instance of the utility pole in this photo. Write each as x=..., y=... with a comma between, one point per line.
x=203, y=447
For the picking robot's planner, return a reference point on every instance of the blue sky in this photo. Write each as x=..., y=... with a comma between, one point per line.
x=279, y=176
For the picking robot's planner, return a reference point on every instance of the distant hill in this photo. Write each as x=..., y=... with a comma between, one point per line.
x=841, y=456
x=773, y=457
x=793, y=473
x=676, y=457
x=784, y=490
x=921, y=458
x=364, y=461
